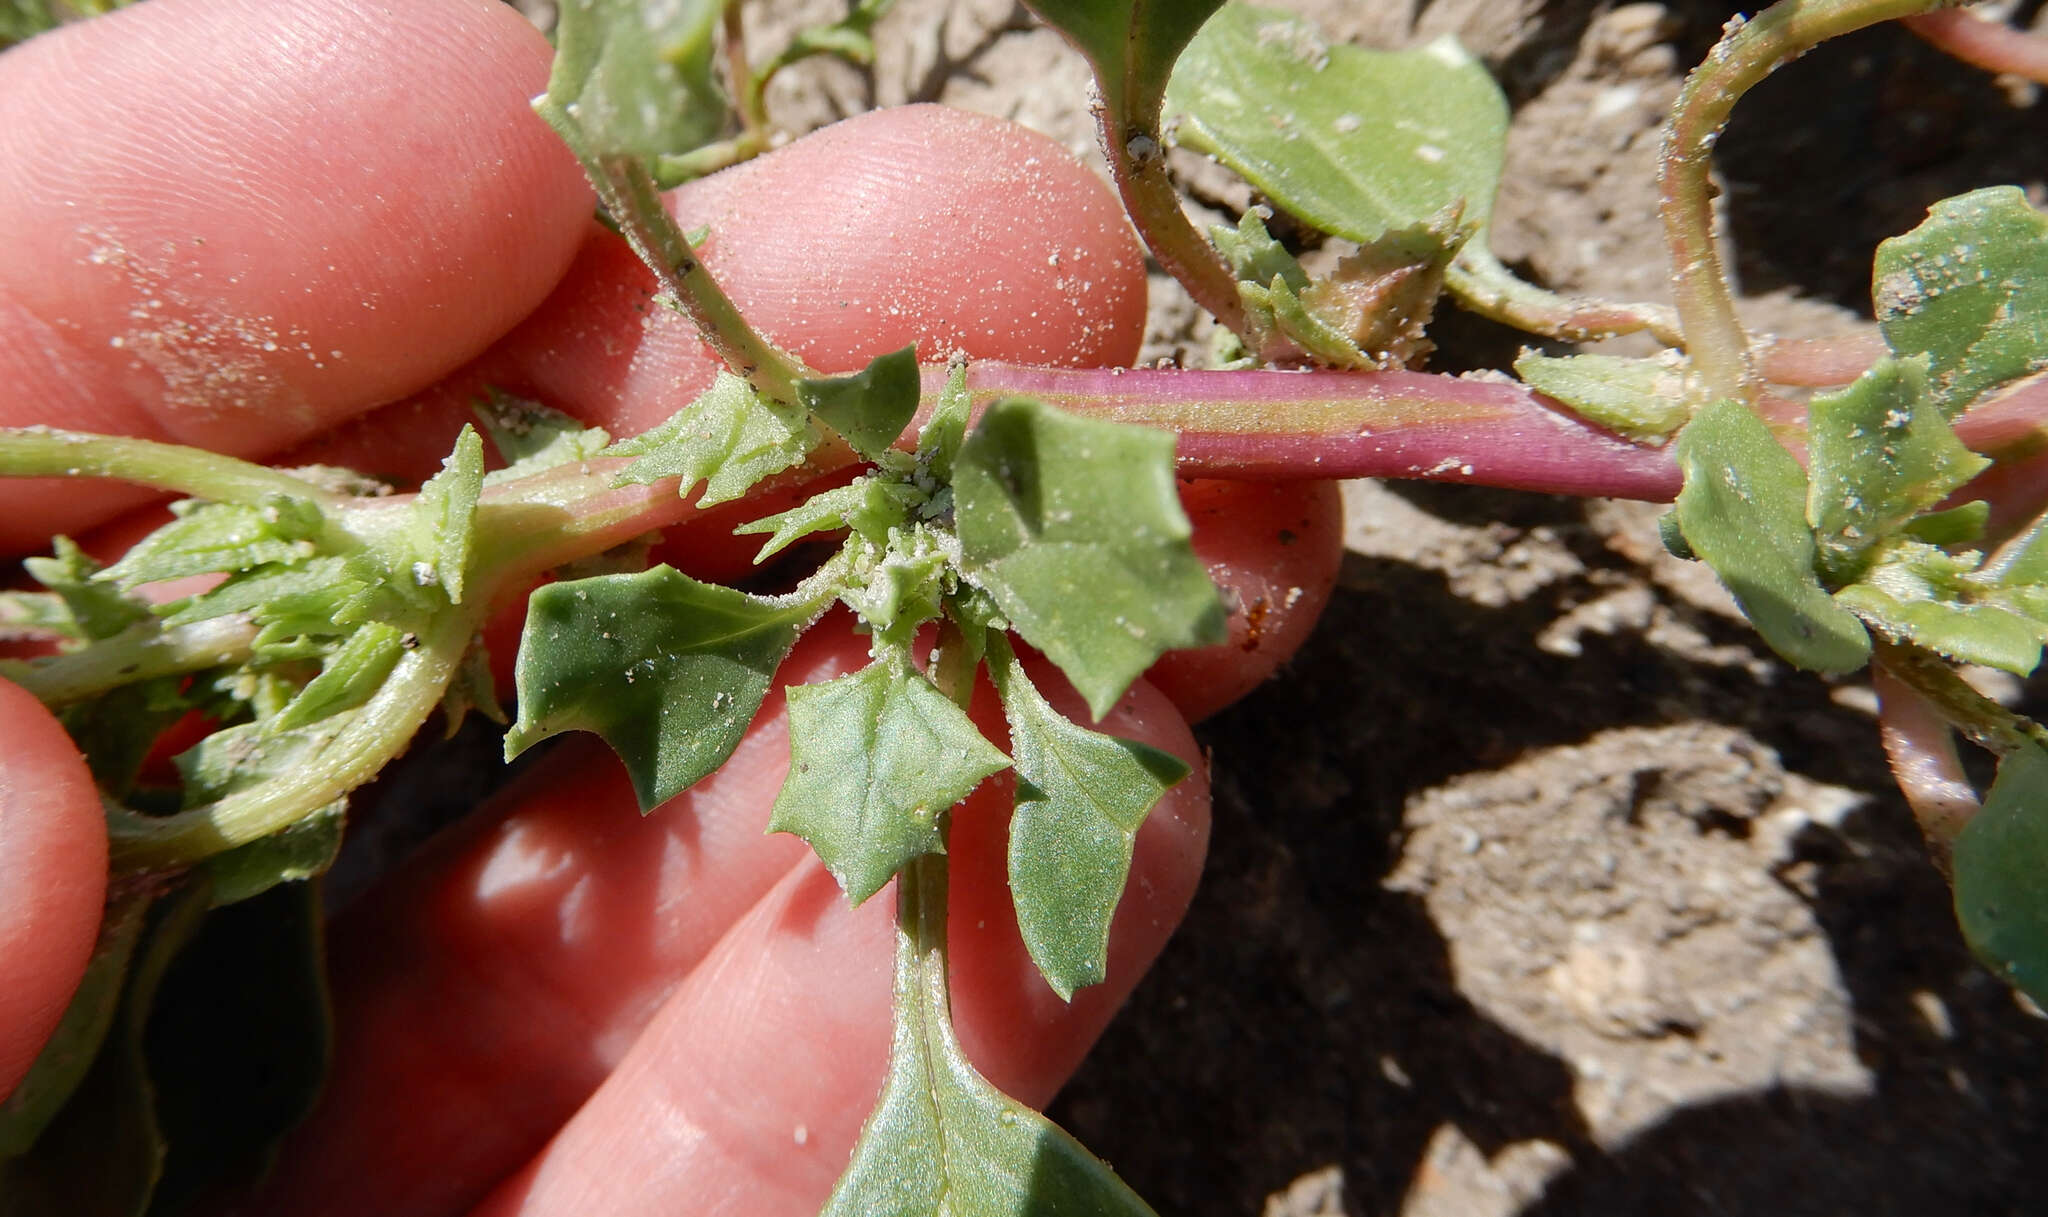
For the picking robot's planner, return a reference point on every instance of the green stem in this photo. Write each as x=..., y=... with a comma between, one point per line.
x=1486, y=287
x=1982, y=721
x=1747, y=53
x=48, y=452
x=378, y=731
x=137, y=653
x=746, y=87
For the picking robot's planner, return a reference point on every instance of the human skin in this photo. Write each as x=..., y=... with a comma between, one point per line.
x=313, y=232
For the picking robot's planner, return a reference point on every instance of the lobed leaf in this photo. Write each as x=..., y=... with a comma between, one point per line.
x=211, y=538
x=1968, y=288
x=349, y=676
x=870, y=408
x=1743, y=512
x=943, y=1142
x=1879, y=453
x=96, y=608
x=875, y=758
x=667, y=670
x=729, y=438
x=870, y=506
x=530, y=437
x=443, y=517
x=1916, y=591
x=1081, y=798
x=1074, y=527
x=2000, y=857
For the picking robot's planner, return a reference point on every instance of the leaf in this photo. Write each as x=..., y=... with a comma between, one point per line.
x=669, y=671
x=1355, y=142
x=208, y=538
x=292, y=855
x=104, y=1152
x=1880, y=453
x=530, y=437
x=871, y=506
x=444, y=516
x=637, y=79
x=1961, y=525
x=116, y=729
x=1743, y=512
x=1081, y=798
x=2000, y=858
x=1917, y=593
x=238, y=1041
x=73, y=1046
x=348, y=677
x=1075, y=527
x=870, y=408
x=899, y=585
x=98, y=609
x=938, y=443
x=249, y=754
x=942, y=1142
x=1639, y=399
x=876, y=757
x=1969, y=289
x=1131, y=43
x=729, y=438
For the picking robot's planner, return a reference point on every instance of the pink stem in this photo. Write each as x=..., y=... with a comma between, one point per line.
x=1991, y=45
x=1256, y=424
x=1819, y=362
x=1922, y=752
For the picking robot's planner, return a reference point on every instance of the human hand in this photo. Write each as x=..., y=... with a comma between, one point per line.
x=561, y=1006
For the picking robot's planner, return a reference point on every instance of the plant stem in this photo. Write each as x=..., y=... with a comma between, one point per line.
x=48, y=452
x=139, y=652
x=1747, y=52
x=1985, y=43
x=378, y=731
x=1484, y=286
x=1921, y=749
x=1983, y=721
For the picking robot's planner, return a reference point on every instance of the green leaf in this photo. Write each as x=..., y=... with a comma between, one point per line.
x=530, y=437
x=637, y=79
x=938, y=443
x=729, y=438
x=208, y=538
x=116, y=729
x=942, y=1142
x=870, y=408
x=1640, y=399
x=104, y=1152
x=1743, y=512
x=1131, y=43
x=1916, y=591
x=2000, y=858
x=444, y=516
x=98, y=609
x=1075, y=527
x=871, y=506
x=348, y=678
x=238, y=1041
x=37, y=615
x=669, y=671
x=1969, y=289
x=72, y=1048
x=1880, y=453
x=249, y=754
x=1961, y=525
x=899, y=585
x=875, y=758
x=1081, y=798
x=1355, y=142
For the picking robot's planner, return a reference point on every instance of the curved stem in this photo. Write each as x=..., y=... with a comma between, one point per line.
x=1983, y=721
x=1484, y=286
x=1922, y=751
x=1982, y=42
x=379, y=730
x=1747, y=53
x=48, y=452
x=1137, y=160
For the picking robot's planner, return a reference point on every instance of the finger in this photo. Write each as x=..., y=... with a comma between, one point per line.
x=300, y=211
x=53, y=877
x=746, y=1092
x=952, y=230
x=486, y=991
x=1272, y=549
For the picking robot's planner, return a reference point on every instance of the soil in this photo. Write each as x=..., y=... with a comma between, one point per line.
x=1538, y=886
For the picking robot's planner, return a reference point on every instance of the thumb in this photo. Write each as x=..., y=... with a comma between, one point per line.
x=53, y=877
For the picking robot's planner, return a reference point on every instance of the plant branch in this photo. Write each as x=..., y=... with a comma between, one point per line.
x=1484, y=286
x=1985, y=43
x=1922, y=751
x=1983, y=721
x=376, y=732
x=1137, y=160
x=140, y=652
x=48, y=452
x=1747, y=52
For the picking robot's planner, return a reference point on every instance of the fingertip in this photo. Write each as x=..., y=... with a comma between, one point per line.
x=53, y=877
x=232, y=223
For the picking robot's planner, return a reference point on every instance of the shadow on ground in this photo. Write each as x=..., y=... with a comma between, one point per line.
x=1306, y=1016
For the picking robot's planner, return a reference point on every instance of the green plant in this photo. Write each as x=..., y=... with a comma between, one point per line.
x=342, y=619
